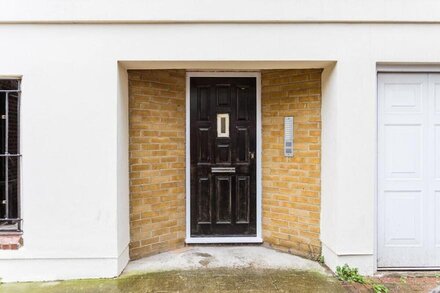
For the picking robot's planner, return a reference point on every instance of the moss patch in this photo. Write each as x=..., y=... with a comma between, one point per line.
x=215, y=280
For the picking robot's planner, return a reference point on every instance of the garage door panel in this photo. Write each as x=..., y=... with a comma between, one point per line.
x=437, y=218
x=403, y=218
x=403, y=119
x=437, y=152
x=434, y=181
x=403, y=97
x=402, y=185
x=403, y=151
x=437, y=97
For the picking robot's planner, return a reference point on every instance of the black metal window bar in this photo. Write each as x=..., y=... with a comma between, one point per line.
x=10, y=155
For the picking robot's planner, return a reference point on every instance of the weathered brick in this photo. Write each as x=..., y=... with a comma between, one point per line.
x=10, y=241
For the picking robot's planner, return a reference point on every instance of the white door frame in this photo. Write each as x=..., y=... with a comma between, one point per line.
x=258, y=238
x=393, y=68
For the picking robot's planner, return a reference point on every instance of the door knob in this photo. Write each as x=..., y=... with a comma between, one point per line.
x=252, y=155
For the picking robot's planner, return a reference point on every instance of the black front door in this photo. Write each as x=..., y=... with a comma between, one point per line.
x=223, y=159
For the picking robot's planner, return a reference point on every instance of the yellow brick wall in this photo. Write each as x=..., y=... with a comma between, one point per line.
x=291, y=186
x=157, y=161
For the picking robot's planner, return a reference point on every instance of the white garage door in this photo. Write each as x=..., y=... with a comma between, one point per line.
x=409, y=170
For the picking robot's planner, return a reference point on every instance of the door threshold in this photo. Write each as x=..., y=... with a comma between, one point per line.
x=219, y=240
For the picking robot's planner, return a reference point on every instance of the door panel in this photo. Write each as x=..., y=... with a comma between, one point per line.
x=403, y=151
x=223, y=195
x=437, y=151
x=204, y=147
x=243, y=189
x=223, y=135
x=437, y=220
x=408, y=207
x=436, y=94
x=242, y=146
x=203, y=103
x=434, y=167
x=403, y=98
x=223, y=95
x=204, y=200
x=243, y=94
x=403, y=218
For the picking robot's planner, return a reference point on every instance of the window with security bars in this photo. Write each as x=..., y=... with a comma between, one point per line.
x=10, y=155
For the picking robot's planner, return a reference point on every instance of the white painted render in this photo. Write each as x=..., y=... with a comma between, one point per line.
x=74, y=117
x=212, y=10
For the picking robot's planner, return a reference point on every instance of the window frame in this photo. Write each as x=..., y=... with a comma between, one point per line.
x=8, y=224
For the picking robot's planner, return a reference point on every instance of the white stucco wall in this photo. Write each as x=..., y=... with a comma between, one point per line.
x=74, y=124
x=212, y=10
